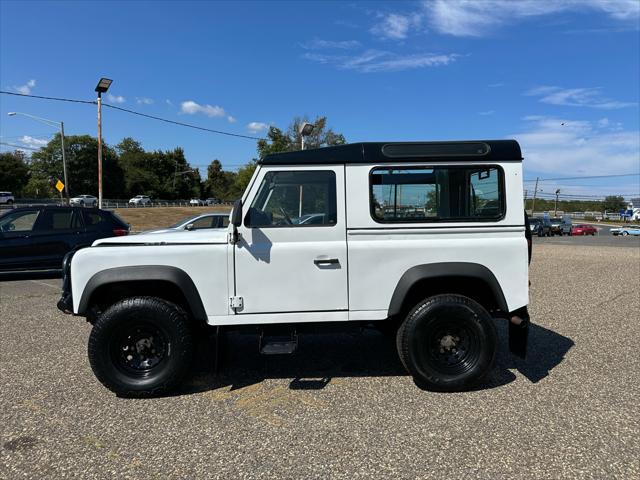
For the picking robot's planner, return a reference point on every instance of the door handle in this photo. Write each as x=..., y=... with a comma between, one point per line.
x=326, y=261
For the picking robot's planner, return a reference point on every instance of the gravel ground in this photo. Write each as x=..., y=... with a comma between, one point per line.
x=342, y=407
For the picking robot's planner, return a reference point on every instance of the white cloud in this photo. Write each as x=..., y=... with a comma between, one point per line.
x=191, y=108
x=481, y=17
x=116, y=98
x=26, y=88
x=33, y=142
x=255, y=127
x=372, y=61
x=319, y=44
x=487, y=112
x=395, y=26
x=144, y=101
x=169, y=102
x=496, y=85
x=576, y=97
x=563, y=147
x=231, y=119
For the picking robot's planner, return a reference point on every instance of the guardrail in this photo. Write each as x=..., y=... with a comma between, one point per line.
x=111, y=203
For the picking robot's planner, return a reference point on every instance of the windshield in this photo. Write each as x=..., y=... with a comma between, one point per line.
x=183, y=221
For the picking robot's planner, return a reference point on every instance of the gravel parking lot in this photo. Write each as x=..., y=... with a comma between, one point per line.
x=342, y=407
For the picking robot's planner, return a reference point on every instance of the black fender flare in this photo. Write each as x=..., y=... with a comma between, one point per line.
x=141, y=273
x=444, y=269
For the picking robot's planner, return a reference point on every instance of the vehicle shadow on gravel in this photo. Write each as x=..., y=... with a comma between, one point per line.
x=546, y=350
x=39, y=275
x=321, y=358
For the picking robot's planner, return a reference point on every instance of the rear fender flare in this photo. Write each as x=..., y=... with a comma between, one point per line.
x=444, y=269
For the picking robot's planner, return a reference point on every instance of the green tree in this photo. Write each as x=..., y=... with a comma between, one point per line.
x=160, y=174
x=14, y=172
x=613, y=202
x=243, y=178
x=82, y=166
x=278, y=141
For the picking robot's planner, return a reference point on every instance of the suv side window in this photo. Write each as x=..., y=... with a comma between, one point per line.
x=431, y=194
x=19, y=221
x=58, y=219
x=294, y=199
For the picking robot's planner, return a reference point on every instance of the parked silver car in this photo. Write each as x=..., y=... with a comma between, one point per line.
x=197, y=222
x=84, y=201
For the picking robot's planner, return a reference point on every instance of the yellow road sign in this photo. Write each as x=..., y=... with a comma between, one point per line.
x=60, y=186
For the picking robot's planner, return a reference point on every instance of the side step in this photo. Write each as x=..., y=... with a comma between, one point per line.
x=278, y=344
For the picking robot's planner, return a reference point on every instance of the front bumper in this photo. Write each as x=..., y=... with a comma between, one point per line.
x=65, y=304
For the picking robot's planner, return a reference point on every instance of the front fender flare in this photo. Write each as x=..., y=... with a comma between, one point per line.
x=140, y=273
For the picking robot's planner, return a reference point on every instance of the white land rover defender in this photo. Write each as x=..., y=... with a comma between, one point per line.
x=426, y=240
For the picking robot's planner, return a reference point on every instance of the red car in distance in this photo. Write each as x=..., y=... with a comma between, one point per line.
x=583, y=229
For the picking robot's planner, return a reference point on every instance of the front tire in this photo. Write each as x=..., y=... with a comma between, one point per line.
x=141, y=346
x=447, y=343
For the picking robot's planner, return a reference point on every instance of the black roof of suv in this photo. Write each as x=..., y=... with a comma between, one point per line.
x=385, y=152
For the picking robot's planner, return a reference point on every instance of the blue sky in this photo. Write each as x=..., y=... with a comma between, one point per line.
x=562, y=77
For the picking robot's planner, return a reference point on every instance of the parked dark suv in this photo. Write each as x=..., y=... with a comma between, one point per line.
x=540, y=226
x=37, y=238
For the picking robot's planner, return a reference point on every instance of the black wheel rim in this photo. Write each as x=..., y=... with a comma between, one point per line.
x=450, y=344
x=139, y=349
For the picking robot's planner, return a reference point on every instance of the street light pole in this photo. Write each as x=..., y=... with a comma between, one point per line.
x=102, y=87
x=99, y=149
x=46, y=121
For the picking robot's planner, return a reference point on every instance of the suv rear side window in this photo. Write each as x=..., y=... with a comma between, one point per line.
x=92, y=219
x=295, y=199
x=431, y=194
x=62, y=219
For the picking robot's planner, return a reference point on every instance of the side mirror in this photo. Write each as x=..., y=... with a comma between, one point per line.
x=189, y=226
x=236, y=215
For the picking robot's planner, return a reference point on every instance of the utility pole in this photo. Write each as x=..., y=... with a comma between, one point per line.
x=555, y=213
x=64, y=164
x=535, y=192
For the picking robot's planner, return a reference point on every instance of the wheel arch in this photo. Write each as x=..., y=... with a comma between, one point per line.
x=470, y=279
x=154, y=280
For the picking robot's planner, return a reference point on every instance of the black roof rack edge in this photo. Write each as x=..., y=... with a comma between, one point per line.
x=372, y=152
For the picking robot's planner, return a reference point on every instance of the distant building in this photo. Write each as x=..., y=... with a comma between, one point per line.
x=635, y=201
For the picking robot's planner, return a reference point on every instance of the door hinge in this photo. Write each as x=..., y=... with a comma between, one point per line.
x=236, y=302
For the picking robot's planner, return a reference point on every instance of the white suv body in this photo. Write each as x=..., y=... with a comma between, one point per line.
x=401, y=222
x=7, y=198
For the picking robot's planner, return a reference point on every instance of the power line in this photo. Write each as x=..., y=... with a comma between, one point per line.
x=20, y=147
x=581, y=178
x=220, y=132
x=133, y=112
x=58, y=99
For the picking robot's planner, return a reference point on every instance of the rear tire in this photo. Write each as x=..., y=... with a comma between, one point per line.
x=141, y=346
x=447, y=343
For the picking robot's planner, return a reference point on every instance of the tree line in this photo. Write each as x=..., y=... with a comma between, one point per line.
x=128, y=169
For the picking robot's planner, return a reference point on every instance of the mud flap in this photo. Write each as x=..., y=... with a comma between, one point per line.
x=519, y=334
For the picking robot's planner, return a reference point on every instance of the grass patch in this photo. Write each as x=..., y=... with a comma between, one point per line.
x=161, y=217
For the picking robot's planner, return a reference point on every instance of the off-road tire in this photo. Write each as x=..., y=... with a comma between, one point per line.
x=420, y=349
x=121, y=322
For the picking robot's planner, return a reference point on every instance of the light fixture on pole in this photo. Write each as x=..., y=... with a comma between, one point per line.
x=60, y=125
x=102, y=87
x=555, y=213
x=305, y=131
